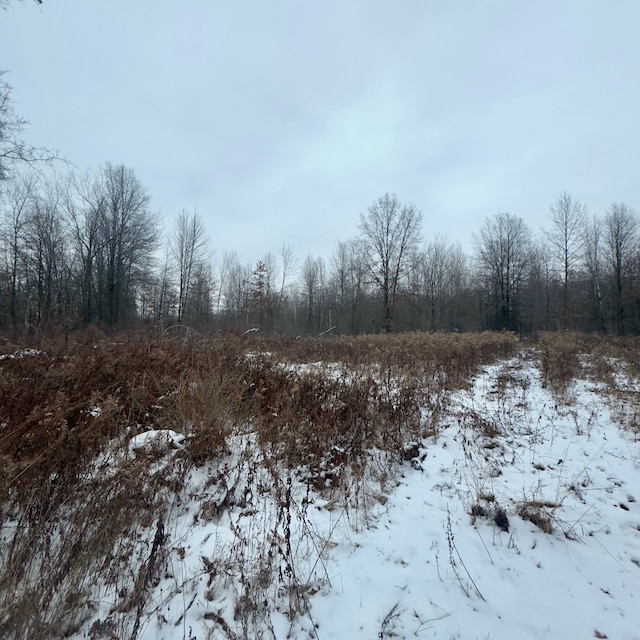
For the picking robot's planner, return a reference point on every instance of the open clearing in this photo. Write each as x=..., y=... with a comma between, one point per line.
x=512, y=512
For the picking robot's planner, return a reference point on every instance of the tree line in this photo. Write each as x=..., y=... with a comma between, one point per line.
x=86, y=248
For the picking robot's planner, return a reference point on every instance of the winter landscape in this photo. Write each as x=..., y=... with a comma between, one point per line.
x=409, y=486
x=319, y=321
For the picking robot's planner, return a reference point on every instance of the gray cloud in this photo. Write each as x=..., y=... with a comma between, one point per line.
x=280, y=122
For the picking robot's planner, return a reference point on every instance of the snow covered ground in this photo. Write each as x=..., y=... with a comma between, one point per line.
x=519, y=518
x=427, y=570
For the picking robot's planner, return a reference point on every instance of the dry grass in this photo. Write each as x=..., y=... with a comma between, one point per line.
x=538, y=513
x=450, y=358
x=612, y=362
x=207, y=388
x=566, y=354
x=69, y=511
x=76, y=507
x=560, y=359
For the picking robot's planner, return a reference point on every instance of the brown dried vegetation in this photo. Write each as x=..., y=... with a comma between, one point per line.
x=75, y=506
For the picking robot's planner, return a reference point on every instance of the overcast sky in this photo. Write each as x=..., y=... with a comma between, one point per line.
x=280, y=121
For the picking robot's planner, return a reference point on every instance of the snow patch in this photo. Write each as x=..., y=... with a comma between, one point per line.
x=156, y=441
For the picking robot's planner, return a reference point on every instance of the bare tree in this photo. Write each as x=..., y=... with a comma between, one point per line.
x=47, y=251
x=19, y=201
x=201, y=293
x=340, y=277
x=313, y=276
x=289, y=267
x=593, y=264
x=13, y=149
x=224, y=269
x=130, y=237
x=458, y=313
x=115, y=237
x=503, y=252
x=439, y=281
x=82, y=198
x=566, y=240
x=348, y=272
x=620, y=240
x=391, y=233
x=272, y=273
x=541, y=311
x=158, y=295
x=236, y=296
x=188, y=248
x=434, y=273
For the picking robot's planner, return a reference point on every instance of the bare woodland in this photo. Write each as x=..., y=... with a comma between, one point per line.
x=79, y=248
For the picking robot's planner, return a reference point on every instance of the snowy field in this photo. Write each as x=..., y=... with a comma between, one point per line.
x=426, y=568
x=517, y=516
